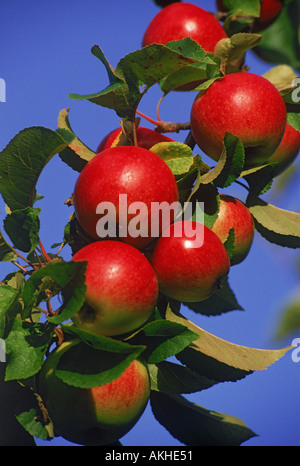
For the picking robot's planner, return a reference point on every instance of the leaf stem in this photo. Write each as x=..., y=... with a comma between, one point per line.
x=20, y=267
x=44, y=253
x=60, y=249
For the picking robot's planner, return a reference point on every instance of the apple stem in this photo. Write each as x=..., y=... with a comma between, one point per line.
x=44, y=253
x=156, y=123
x=158, y=107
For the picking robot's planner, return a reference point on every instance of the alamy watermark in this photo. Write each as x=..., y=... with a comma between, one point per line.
x=135, y=220
x=2, y=90
x=296, y=352
x=2, y=350
x=296, y=92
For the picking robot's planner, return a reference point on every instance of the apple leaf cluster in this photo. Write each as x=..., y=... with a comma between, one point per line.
x=39, y=300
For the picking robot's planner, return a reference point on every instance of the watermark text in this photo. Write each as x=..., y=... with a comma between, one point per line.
x=2, y=90
x=137, y=220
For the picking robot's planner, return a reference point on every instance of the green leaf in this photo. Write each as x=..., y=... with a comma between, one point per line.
x=77, y=154
x=169, y=377
x=150, y=64
x=280, y=42
x=26, y=345
x=22, y=161
x=22, y=227
x=163, y=339
x=194, y=425
x=134, y=74
x=8, y=298
x=235, y=47
x=207, y=199
x=116, y=95
x=178, y=156
x=65, y=277
x=276, y=225
x=33, y=423
x=219, y=359
x=243, y=7
x=230, y=164
x=281, y=76
x=7, y=254
x=293, y=119
x=97, y=362
x=229, y=243
x=241, y=15
x=260, y=178
x=223, y=300
x=206, y=66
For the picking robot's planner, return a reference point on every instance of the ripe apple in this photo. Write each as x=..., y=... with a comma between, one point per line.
x=270, y=10
x=234, y=214
x=180, y=20
x=137, y=174
x=186, y=273
x=246, y=105
x=121, y=288
x=146, y=138
x=287, y=150
x=93, y=416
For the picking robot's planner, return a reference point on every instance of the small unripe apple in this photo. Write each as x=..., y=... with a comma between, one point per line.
x=269, y=12
x=187, y=273
x=93, y=416
x=234, y=214
x=146, y=138
x=137, y=174
x=245, y=105
x=180, y=20
x=287, y=150
x=121, y=288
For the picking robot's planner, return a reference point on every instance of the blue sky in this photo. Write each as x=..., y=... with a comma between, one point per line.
x=44, y=56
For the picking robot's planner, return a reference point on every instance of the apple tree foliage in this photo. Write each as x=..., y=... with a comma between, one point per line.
x=32, y=315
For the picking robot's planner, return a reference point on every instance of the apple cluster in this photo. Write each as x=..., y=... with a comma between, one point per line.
x=125, y=275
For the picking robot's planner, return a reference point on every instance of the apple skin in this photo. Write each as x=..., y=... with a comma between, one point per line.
x=245, y=105
x=121, y=288
x=146, y=138
x=234, y=214
x=98, y=415
x=180, y=20
x=269, y=12
x=287, y=150
x=139, y=173
x=189, y=274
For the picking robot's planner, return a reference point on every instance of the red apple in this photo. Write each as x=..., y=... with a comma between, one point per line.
x=270, y=10
x=121, y=288
x=110, y=184
x=234, y=214
x=181, y=20
x=93, y=416
x=187, y=273
x=246, y=105
x=287, y=150
x=146, y=138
